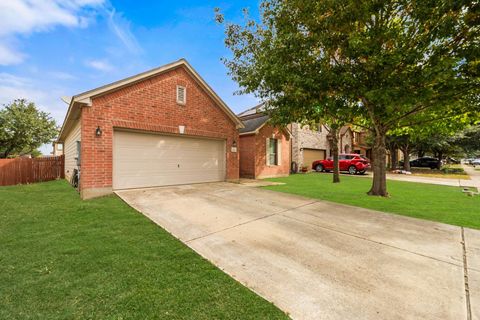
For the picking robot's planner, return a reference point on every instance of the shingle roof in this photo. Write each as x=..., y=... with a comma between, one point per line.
x=253, y=123
x=254, y=110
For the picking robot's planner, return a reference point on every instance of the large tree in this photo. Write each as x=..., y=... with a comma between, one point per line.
x=24, y=128
x=399, y=62
x=438, y=138
x=469, y=141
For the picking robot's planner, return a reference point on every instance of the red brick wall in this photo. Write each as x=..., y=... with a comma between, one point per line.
x=246, y=149
x=151, y=105
x=262, y=170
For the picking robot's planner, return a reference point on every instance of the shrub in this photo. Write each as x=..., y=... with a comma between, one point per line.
x=452, y=170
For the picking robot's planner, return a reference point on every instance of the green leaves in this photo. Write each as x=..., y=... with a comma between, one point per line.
x=24, y=128
x=383, y=64
x=404, y=58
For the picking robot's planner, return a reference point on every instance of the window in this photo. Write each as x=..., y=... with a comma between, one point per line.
x=78, y=153
x=181, y=95
x=272, y=152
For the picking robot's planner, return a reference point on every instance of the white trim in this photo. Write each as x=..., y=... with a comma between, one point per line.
x=267, y=152
x=279, y=152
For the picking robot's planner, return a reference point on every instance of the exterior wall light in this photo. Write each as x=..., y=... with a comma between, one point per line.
x=98, y=132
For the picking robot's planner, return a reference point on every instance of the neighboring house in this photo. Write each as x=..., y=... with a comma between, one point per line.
x=162, y=127
x=57, y=149
x=305, y=145
x=264, y=149
x=309, y=145
x=360, y=144
x=345, y=140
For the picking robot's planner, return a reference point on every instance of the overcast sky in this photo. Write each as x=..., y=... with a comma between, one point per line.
x=55, y=48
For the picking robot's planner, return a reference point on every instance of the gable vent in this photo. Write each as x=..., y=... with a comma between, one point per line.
x=181, y=95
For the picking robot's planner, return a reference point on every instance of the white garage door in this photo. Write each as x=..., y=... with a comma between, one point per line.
x=150, y=160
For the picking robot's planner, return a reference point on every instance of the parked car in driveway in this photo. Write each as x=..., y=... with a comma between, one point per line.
x=475, y=162
x=353, y=163
x=425, y=162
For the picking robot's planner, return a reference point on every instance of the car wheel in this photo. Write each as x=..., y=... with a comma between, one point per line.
x=352, y=170
x=319, y=168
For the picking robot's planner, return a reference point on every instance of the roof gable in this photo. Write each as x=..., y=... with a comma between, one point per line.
x=85, y=98
x=254, y=124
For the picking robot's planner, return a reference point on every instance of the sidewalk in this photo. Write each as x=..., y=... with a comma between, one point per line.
x=473, y=182
x=440, y=181
x=474, y=176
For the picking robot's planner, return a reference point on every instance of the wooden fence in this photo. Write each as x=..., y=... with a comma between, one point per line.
x=26, y=170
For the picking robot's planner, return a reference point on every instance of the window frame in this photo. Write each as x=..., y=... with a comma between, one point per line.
x=79, y=153
x=273, y=142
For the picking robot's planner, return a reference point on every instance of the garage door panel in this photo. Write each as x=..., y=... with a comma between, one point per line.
x=148, y=160
x=311, y=155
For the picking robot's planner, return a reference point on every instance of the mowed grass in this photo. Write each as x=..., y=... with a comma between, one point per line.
x=64, y=258
x=419, y=200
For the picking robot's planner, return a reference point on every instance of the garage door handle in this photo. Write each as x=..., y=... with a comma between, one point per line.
x=178, y=165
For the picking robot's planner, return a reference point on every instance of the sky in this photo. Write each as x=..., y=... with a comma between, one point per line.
x=55, y=48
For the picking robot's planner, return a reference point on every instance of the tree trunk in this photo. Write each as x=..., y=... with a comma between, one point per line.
x=334, y=146
x=440, y=156
x=379, y=185
x=406, y=159
x=394, y=158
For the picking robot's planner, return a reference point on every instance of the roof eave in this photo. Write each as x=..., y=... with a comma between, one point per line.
x=86, y=97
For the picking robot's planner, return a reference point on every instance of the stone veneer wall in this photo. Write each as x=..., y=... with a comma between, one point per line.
x=303, y=137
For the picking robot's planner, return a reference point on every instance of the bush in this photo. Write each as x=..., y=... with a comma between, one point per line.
x=452, y=170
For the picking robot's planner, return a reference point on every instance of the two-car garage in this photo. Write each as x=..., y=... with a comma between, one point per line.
x=149, y=160
x=161, y=127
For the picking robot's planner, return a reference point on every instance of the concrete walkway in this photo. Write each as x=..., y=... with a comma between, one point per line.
x=319, y=260
x=429, y=180
x=421, y=179
x=474, y=176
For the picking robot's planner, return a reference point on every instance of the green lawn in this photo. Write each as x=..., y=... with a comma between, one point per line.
x=425, y=201
x=63, y=258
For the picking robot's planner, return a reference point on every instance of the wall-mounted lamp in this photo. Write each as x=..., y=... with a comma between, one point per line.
x=98, y=132
x=234, y=144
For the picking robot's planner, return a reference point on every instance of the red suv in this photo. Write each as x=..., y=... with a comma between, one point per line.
x=353, y=163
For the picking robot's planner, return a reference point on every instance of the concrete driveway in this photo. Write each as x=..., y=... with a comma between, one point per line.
x=319, y=260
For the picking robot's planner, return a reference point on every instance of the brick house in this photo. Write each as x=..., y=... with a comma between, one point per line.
x=310, y=144
x=264, y=149
x=165, y=126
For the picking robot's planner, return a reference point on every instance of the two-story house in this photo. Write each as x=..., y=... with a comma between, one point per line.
x=310, y=144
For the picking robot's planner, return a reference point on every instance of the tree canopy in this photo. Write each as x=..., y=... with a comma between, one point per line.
x=395, y=63
x=24, y=128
